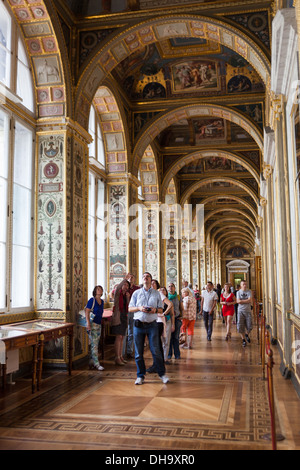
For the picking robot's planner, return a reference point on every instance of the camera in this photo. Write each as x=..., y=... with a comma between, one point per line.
x=148, y=309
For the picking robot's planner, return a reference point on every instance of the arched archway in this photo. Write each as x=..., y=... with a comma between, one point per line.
x=164, y=120
x=179, y=164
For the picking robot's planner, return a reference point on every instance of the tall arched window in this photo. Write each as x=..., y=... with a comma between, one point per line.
x=16, y=170
x=97, y=199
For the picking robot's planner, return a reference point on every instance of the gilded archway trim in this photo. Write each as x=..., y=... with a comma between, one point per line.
x=229, y=209
x=191, y=189
x=229, y=221
x=164, y=120
x=233, y=198
x=179, y=164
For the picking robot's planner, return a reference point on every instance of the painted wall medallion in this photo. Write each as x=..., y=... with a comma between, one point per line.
x=51, y=170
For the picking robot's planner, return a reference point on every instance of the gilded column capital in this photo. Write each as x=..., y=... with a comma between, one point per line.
x=267, y=171
x=263, y=201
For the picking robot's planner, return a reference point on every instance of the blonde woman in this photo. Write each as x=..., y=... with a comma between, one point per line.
x=188, y=317
x=228, y=301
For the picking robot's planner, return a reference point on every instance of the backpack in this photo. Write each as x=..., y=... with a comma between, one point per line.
x=81, y=321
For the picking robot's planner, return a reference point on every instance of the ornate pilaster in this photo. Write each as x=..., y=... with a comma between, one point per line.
x=61, y=228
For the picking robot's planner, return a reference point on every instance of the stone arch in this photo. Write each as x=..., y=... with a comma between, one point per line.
x=48, y=57
x=131, y=39
x=113, y=130
x=234, y=198
x=224, y=244
x=242, y=229
x=232, y=244
x=179, y=164
x=231, y=220
x=224, y=209
x=189, y=191
x=234, y=236
x=164, y=120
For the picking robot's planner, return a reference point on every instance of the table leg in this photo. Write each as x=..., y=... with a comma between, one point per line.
x=40, y=361
x=70, y=352
x=4, y=376
x=34, y=367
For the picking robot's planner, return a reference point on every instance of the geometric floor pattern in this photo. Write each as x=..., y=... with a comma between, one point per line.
x=216, y=399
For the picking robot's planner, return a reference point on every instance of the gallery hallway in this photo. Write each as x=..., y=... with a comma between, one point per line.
x=216, y=399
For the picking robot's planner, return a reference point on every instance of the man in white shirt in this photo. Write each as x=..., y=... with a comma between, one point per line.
x=208, y=303
x=244, y=301
x=146, y=303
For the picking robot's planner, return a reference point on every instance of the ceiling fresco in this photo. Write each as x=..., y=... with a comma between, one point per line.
x=211, y=70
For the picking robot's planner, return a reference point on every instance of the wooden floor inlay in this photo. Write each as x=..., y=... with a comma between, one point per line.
x=216, y=399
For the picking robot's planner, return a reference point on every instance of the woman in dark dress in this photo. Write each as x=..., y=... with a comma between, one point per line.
x=120, y=319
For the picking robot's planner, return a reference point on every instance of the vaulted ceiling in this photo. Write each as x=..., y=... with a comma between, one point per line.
x=214, y=155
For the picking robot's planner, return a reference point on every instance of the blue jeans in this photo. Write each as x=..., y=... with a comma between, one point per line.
x=139, y=335
x=174, y=343
x=130, y=333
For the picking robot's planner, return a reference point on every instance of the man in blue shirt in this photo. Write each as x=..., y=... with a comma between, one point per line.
x=146, y=303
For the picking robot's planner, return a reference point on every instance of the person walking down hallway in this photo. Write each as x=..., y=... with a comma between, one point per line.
x=177, y=304
x=208, y=303
x=189, y=315
x=161, y=320
x=93, y=315
x=244, y=300
x=146, y=303
x=119, y=319
x=129, y=346
x=228, y=301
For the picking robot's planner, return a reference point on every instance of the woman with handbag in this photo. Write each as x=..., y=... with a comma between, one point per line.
x=93, y=315
x=119, y=320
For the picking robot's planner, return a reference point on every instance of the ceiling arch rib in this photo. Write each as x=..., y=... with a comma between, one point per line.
x=231, y=198
x=239, y=236
x=233, y=242
x=164, y=120
x=191, y=189
x=229, y=209
x=179, y=164
x=229, y=222
x=137, y=37
x=228, y=228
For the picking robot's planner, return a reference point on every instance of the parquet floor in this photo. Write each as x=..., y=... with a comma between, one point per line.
x=216, y=399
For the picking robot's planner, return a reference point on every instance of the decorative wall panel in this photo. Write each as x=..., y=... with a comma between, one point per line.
x=118, y=234
x=50, y=230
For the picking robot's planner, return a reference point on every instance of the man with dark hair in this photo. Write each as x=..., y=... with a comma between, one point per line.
x=208, y=303
x=146, y=303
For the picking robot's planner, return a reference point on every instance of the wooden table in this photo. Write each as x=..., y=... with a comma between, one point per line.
x=14, y=338
x=46, y=330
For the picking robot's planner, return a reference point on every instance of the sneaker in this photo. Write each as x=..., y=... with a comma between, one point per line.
x=165, y=379
x=248, y=339
x=244, y=343
x=139, y=381
x=99, y=367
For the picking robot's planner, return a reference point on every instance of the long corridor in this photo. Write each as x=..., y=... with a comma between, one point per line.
x=216, y=399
